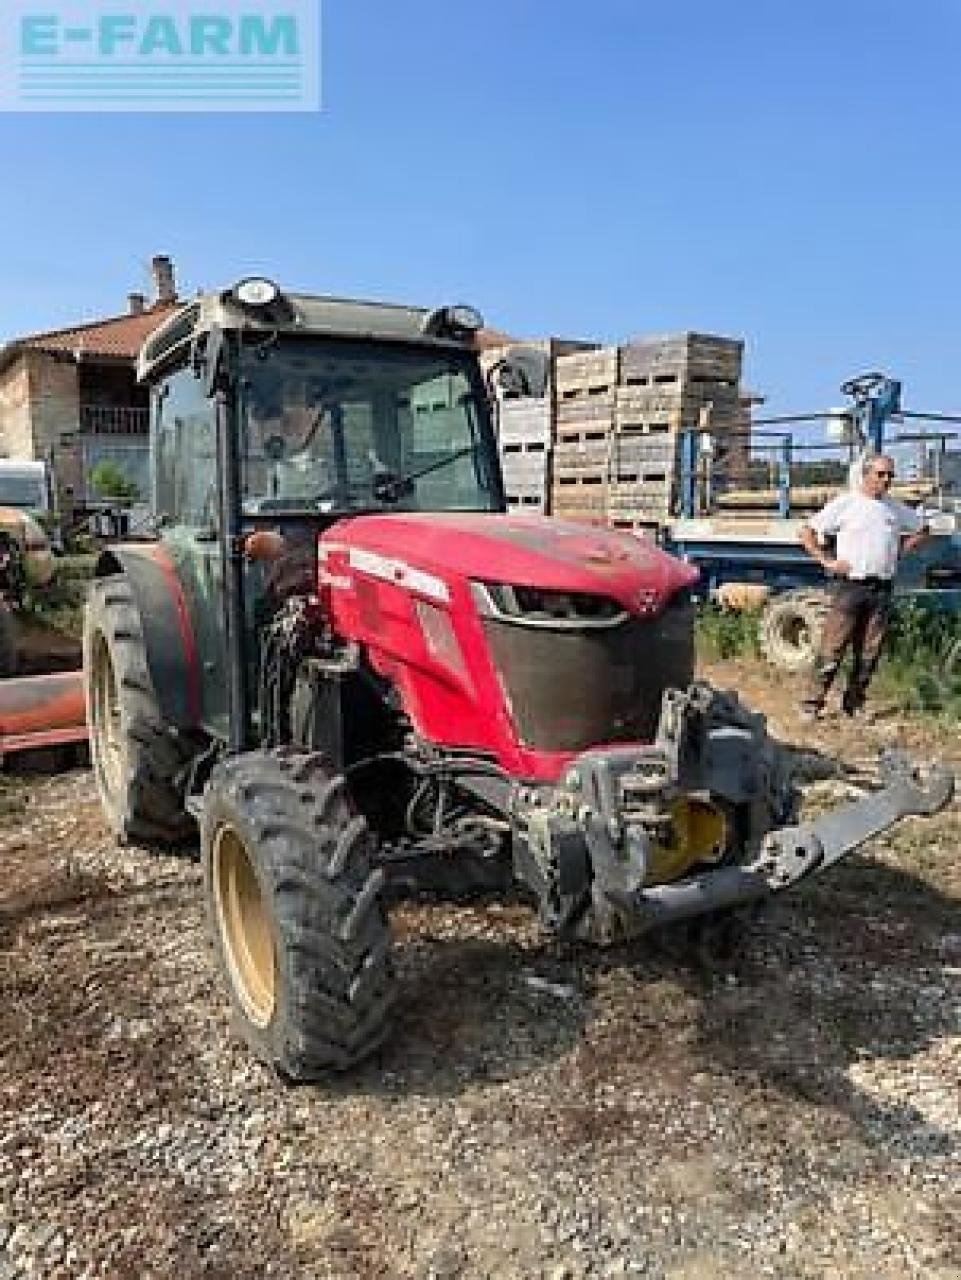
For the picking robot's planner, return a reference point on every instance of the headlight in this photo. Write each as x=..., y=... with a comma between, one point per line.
x=537, y=606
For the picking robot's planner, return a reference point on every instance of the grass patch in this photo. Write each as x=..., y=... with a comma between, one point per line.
x=723, y=633
x=60, y=605
x=921, y=667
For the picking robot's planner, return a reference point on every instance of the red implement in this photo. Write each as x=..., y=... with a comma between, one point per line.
x=41, y=711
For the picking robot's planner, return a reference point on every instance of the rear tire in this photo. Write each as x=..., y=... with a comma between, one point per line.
x=9, y=654
x=136, y=757
x=790, y=628
x=295, y=907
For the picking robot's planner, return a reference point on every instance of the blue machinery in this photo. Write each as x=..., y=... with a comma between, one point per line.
x=763, y=548
x=877, y=400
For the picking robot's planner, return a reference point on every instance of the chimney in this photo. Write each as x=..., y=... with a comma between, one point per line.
x=165, y=286
x=136, y=303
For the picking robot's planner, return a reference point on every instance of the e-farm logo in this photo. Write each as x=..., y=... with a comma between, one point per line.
x=182, y=55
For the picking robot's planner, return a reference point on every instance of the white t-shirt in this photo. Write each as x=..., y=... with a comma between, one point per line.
x=868, y=530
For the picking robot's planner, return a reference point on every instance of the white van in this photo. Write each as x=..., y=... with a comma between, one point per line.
x=27, y=486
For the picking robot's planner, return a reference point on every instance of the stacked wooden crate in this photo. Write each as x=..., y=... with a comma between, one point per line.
x=667, y=385
x=585, y=388
x=526, y=429
x=620, y=415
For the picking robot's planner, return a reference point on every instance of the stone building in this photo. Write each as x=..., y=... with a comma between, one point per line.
x=70, y=396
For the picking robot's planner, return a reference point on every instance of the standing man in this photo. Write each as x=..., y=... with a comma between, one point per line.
x=873, y=530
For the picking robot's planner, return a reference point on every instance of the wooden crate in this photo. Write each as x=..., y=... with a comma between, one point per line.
x=683, y=356
x=527, y=502
x=594, y=406
x=522, y=421
x=642, y=491
x=527, y=481
x=666, y=423
x=585, y=372
x=687, y=398
x=582, y=447
x=524, y=453
x=633, y=453
x=642, y=528
x=640, y=497
x=579, y=496
x=573, y=462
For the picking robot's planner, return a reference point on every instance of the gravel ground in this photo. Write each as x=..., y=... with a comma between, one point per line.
x=540, y=1111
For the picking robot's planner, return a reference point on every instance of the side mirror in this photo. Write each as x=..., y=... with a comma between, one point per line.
x=523, y=372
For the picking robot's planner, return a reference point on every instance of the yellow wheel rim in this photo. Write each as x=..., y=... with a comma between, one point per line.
x=105, y=714
x=699, y=835
x=244, y=924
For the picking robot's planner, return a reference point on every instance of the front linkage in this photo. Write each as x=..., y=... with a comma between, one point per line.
x=602, y=850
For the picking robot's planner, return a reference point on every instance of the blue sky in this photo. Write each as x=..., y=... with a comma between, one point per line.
x=788, y=173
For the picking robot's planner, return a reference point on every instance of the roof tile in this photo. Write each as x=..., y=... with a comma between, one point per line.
x=116, y=336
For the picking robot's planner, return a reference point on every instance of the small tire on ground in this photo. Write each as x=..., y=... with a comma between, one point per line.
x=296, y=910
x=138, y=762
x=790, y=628
x=9, y=651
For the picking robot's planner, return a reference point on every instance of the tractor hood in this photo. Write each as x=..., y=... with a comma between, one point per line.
x=529, y=551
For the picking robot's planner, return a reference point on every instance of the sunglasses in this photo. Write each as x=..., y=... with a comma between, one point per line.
x=884, y=475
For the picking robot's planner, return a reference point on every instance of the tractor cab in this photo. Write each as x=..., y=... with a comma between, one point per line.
x=281, y=414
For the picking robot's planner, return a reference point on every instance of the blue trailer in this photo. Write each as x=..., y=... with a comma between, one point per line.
x=746, y=541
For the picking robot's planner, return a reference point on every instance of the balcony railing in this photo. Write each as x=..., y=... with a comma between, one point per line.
x=113, y=420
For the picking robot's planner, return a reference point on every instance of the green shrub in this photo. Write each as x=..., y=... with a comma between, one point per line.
x=922, y=661
x=110, y=481
x=723, y=633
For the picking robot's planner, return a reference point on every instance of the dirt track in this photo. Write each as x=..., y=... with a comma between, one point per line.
x=538, y=1112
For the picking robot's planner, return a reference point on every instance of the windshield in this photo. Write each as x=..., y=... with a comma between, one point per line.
x=21, y=491
x=336, y=426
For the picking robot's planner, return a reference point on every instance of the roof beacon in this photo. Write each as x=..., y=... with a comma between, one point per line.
x=256, y=291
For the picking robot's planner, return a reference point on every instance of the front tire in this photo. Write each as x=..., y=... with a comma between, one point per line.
x=296, y=912
x=136, y=758
x=9, y=651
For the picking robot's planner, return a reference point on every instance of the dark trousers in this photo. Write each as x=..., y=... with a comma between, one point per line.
x=858, y=617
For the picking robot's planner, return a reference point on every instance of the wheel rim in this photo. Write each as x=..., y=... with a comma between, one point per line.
x=796, y=635
x=105, y=713
x=244, y=924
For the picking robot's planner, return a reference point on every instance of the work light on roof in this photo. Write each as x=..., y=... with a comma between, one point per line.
x=467, y=318
x=256, y=291
x=453, y=322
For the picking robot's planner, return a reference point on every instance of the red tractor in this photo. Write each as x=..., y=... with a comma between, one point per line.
x=364, y=681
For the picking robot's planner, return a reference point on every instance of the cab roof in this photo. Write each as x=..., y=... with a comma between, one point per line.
x=293, y=313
